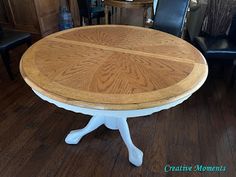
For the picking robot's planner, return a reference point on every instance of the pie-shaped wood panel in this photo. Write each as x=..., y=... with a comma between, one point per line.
x=113, y=67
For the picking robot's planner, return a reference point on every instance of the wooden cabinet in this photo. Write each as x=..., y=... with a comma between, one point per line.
x=4, y=13
x=34, y=16
x=23, y=15
x=48, y=15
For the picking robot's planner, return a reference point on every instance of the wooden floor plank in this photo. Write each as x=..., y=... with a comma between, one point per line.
x=17, y=142
x=202, y=130
x=44, y=151
x=25, y=153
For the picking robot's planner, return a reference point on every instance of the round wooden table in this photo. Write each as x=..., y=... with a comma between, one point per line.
x=113, y=73
x=129, y=4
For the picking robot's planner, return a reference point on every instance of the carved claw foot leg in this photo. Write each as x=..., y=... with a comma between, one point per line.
x=135, y=154
x=75, y=135
x=114, y=123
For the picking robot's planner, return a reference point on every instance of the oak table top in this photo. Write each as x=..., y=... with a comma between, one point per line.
x=113, y=67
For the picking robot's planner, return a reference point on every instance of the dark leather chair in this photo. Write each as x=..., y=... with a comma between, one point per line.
x=220, y=47
x=170, y=16
x=8, y=41
x=88, y=11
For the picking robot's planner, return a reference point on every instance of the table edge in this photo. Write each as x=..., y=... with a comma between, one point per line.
x=110, y=106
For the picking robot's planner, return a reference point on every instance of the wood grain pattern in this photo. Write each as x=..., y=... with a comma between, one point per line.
x=113, y=67
x=127, y=4
x=23, y=15
x=74, y=9
x=4, y=13
x=144, y=4
x=48, y=15
x=39, y=17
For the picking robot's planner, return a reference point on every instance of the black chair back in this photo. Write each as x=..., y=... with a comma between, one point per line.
x=232, y=31
x=170, y=16
x=84, y=7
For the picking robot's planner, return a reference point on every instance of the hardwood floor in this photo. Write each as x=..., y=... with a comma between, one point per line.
x=202, y=130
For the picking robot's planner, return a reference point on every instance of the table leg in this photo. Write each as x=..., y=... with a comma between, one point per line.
x=145, y=16
x=114, y=123
x=121, y=15
x=106, y=14
x=135, y=154
x=75, y=135
x=116, y=15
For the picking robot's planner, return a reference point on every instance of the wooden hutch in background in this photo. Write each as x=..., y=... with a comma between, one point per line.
x=39, y=17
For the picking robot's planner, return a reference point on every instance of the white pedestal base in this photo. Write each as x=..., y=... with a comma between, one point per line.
x=114, y=123
x=101, y=116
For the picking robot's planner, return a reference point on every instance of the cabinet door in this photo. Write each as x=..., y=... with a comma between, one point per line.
x=4, y=13
x=48, y=15
x=24, y=15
